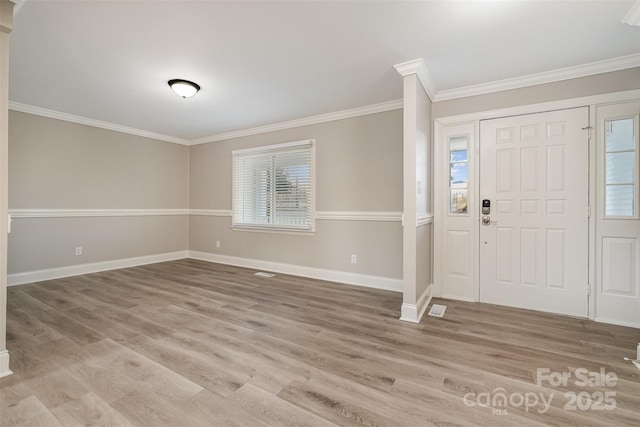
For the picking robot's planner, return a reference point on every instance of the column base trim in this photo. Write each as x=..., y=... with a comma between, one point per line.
x=414, y=312
x=4, y=364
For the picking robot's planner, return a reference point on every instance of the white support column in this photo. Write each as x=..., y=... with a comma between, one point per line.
x=6, y=25
x=417, y=268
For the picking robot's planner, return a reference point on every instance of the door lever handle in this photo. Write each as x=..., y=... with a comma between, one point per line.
x=486, y=220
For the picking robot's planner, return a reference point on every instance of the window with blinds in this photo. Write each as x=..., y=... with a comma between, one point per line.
x=273, y=187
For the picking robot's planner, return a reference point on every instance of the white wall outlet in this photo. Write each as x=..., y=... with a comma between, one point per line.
x=78, y=250
x=354, y=259
x=217, y=243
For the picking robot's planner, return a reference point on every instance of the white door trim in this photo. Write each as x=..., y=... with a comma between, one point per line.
x=474, y=118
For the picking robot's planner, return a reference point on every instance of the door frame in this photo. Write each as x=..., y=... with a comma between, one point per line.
x=440, y=196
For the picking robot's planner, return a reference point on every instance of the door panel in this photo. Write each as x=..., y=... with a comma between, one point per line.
x=618, y=214
x=534, y=247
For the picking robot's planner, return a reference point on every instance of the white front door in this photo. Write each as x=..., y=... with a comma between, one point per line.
x=534, y=242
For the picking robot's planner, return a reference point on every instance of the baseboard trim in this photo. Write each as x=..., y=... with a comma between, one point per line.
x=617, y=322
x=413, y=312
x=376, y=282
x=95, y=267
x=458, y=297
x=4, y=364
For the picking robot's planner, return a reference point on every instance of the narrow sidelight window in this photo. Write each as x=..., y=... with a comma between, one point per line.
x=458, y=181
x=620, y=168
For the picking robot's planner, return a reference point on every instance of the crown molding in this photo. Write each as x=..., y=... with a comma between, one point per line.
x=418, y=68
x=633, y=16
x=7, y=12
x=608, y=65
x=38, y=111
x=306, y=121
x=17, y=6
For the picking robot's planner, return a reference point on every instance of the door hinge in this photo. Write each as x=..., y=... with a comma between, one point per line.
x=588, y=289
x=589, y=211
x=588, y=129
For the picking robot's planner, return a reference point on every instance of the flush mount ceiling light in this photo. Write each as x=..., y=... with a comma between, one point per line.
x=184, y=88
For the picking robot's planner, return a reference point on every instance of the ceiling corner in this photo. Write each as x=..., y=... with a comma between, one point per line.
x=418, y=67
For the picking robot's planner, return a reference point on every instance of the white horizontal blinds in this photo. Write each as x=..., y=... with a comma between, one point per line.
x=273, y=187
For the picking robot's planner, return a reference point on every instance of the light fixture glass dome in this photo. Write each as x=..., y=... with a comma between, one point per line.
x=184, y=88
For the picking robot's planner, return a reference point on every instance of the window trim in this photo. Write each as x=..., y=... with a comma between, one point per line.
x=271, y=149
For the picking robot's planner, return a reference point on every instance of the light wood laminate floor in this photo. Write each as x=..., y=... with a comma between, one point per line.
x=190, y=343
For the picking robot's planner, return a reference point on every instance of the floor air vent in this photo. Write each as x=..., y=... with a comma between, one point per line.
x=263, y=274
x=437, y=310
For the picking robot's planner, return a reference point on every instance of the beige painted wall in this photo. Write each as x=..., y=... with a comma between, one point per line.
x=56, y=164
x=377, y=244
x=358, y=164
x=60, y=165
x=616, y=81
x=45, y=243
x=358, y=168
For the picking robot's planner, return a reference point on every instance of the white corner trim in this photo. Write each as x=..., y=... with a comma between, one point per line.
x=359, y=216
x=418, y=68
x=211, y=212
x=633, y=16
x=4, y=364
x=414, y=312
x=306, y=121
x=608, y=65
x=95, y=267
x=73, y=213
x=424, y=219
x=375, y=282
x=43, y=112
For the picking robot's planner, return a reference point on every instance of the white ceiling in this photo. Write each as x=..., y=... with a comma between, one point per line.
x=267, y=62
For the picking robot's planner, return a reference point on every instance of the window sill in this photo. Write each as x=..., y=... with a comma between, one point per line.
x=274, y=230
